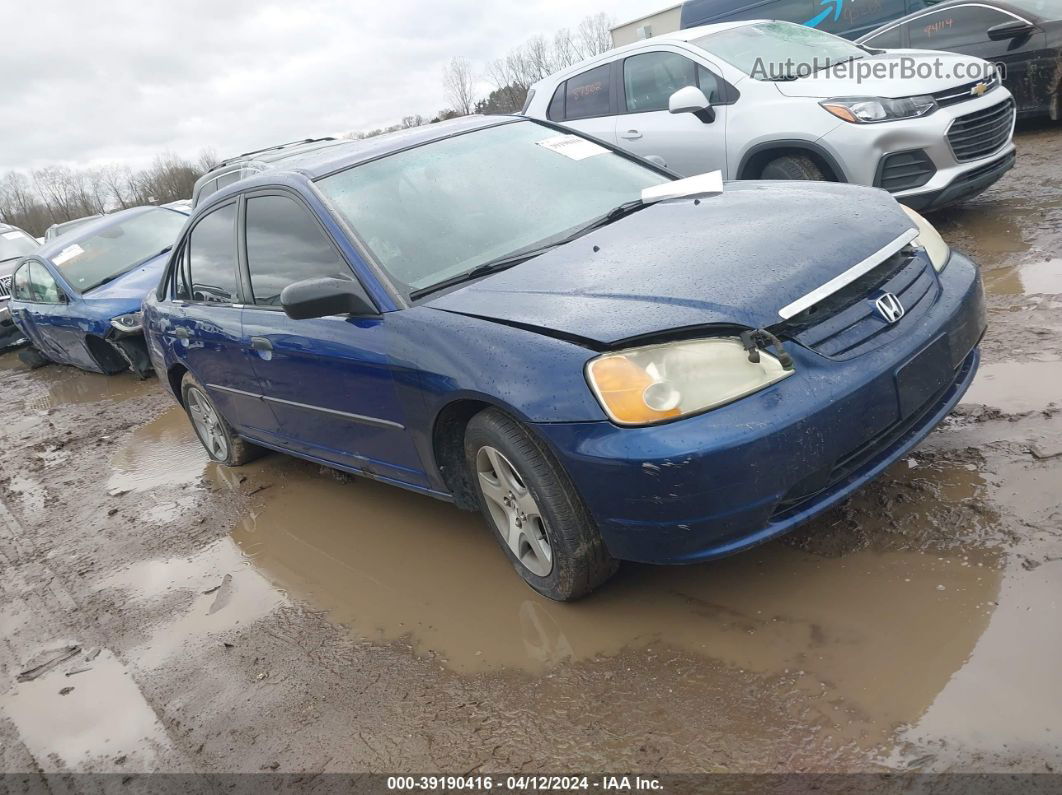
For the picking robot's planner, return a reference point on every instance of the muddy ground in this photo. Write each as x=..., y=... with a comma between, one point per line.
x=285, y=617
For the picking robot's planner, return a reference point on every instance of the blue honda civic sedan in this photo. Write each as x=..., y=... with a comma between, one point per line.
x=610, y=363
x=77, y=299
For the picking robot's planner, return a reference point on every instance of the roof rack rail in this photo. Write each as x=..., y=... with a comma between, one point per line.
x=229, y=160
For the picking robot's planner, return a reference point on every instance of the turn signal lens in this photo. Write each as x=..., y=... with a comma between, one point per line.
x=622, y=385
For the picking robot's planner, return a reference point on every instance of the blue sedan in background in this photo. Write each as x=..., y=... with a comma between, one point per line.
x=77, y=299
x=608, y=362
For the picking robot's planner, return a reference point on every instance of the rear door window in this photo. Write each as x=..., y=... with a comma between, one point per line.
x=284, y=245
x=891, y=39
x=211, y=253
x=586, y=95
x=954, y=27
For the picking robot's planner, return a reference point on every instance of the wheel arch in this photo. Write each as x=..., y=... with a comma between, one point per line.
x=174, y=377
x=753, y=161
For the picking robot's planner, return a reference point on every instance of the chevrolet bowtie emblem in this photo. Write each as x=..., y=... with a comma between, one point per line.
x=979, y=90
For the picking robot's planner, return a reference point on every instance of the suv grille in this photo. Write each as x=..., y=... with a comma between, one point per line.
x=953, y=96
x=847, y=323
x=5, y=286
x=979, y=134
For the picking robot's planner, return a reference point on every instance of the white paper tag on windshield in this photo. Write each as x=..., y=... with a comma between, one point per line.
x=572, y=146
x=700, y=185
x=68, y=254
x=12, y=235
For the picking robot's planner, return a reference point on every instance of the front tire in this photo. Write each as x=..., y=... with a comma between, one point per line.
x=218, y=438
x=536, y=514
x=793, y=167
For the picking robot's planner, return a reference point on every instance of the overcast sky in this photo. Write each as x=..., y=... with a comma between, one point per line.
x=88, y=82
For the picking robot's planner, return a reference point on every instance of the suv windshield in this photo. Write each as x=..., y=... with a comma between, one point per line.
x=779, y=50
x=15, y=244
x=112, y=251
x=436, y=211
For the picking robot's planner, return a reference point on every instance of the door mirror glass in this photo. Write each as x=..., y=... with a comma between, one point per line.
x=324, y=296
x=1010, y=30
x=688, y=100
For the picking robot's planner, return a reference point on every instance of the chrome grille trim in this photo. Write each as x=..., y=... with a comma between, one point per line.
x=849, y=276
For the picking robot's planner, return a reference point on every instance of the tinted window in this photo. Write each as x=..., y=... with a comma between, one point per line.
x=555, y=112
x=212, y=257
x=954, y=27
x=587, y=94
x=650, y=79
x=32, y=282
x=284, y=245
x=207, y=189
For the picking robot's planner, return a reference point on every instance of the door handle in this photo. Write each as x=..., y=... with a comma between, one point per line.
x=181, y=333
x=261, y=344
x=631, y=135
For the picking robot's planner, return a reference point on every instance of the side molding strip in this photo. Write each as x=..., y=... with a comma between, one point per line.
x=378, y=422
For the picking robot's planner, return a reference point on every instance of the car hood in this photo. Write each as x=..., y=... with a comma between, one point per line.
x=731, y=259
x=842, y=80
x=134, y=284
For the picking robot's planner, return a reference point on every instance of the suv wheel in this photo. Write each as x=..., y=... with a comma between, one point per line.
x=792, y=167
x=537, y=517
x=218, y=438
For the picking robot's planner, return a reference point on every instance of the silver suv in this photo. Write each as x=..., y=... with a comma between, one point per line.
x=774, y=100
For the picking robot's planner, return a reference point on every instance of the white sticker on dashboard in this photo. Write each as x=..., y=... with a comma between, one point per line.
x=572, y=146
x=68, y=254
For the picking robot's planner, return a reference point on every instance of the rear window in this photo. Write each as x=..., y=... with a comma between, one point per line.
x=586, y=95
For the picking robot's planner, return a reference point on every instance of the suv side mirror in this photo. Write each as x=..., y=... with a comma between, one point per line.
x=1014, y=29
x=691, y=100
x=325, y=296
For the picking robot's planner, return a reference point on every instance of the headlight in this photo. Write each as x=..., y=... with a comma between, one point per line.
x=867, y=110
x=133, y=321
x=929, y=239
x=655, y=383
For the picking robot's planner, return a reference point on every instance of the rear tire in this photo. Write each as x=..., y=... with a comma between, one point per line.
x=218, y=438
x=33, y=358
x=793, y=167
x=538, y=518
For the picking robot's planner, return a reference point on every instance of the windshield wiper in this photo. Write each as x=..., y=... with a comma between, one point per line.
x=516, y=257
x=837, y=63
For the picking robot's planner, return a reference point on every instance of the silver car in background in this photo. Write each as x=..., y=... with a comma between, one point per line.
x=774, y=100
x=14, y=245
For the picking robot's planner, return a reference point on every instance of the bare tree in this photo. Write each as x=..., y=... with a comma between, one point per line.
x=594, y=35
x=457, y=80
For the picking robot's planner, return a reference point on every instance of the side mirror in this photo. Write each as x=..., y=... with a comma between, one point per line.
x=321, y=297
x=691, y=100
x=1010, y=30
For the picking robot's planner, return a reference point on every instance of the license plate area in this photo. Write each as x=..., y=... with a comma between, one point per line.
x=924, y=375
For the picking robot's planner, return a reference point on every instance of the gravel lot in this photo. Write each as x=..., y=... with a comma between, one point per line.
x=285, y=617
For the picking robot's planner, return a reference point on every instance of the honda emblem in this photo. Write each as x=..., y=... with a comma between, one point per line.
x=889, y=307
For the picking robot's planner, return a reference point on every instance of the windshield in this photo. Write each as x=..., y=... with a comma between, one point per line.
x=436, y=211
x=16, y=243
x=779, y=50
x=110, y=252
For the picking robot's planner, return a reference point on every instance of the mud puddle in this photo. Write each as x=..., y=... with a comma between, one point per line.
x=395, y=566
x=164, y=452
x=86, y=714
x=66, y=385
x=1018, y=386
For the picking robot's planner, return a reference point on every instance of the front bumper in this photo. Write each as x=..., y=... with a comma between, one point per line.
x=731, y=478
x=861, y=147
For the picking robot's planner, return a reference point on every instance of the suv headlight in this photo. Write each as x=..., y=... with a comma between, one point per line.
x=132, y=321
x=656, y=383
x=929, y=239
x=868, y=110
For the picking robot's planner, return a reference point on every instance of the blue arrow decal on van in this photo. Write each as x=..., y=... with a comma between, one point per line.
x=815, y=21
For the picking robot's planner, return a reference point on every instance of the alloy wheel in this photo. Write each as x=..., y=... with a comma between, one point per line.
x=516, y=515
x=207, y=424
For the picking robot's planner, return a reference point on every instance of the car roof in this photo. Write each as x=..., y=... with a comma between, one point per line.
x=92, y=227
x=319, y=162
x=682, y=36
